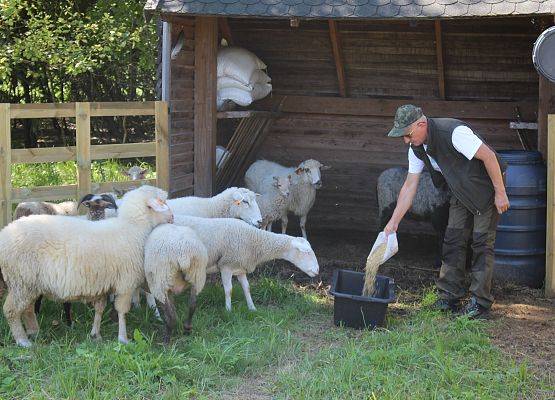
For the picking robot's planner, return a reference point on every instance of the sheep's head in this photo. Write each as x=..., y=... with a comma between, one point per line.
x=97, y=203
x=146, y=203
x=309, y=170
x=135, y=173
x=282, y=184
x=300, y=253
x=243, y=206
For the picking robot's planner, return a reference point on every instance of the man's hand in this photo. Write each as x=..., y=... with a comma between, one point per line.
x=391, y=227
x=501, y=202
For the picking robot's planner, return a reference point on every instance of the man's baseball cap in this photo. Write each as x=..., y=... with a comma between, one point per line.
x=404, y=116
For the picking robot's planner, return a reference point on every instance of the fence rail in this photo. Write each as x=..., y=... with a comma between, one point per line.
x=83, y=152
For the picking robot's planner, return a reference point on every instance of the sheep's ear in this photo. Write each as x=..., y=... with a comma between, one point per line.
x=301, y=245
x=86, y=200
x=325, y=167
x=237, y=197
x=299, y=171
x=157, y=205
x=109, y=201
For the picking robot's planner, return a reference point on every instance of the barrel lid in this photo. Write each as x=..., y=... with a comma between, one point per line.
x=543, y=54
x=520, y=156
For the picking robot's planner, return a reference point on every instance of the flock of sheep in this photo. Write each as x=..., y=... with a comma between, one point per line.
x=146, y=243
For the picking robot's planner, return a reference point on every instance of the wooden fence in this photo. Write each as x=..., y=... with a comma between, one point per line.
x=550, y=240
x=83, y=152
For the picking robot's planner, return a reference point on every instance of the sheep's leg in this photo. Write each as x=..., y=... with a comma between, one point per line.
x=170, y=317
x=67, y=314
x=99, y=306
x=30, y=321
x=188, y=327
x=136, y=298
x=151, y=301
x=12, y=312
x=123, y=305
x=228, y=285
x=269, y=226
x=303, y=224
x=242, y=278
x=284, y=221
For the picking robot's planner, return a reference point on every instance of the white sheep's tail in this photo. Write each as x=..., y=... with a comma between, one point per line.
x=194, y=268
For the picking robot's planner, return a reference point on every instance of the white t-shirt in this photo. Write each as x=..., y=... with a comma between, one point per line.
x=464, y=141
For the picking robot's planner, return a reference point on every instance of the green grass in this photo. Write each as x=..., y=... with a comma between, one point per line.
x=289, y=344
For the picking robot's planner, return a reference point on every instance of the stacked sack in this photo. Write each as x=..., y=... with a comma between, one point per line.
x=241, y=78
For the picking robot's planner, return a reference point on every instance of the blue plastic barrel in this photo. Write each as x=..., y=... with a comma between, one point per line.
x=520, y=244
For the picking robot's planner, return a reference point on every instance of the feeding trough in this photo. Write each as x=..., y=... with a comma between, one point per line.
x=354, y=310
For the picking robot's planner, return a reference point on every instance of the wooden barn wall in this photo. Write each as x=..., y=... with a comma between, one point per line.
x=485, y=60
x=182, y=109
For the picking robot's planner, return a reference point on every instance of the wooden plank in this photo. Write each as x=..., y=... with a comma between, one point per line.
x=121, y=108
x=498, y=110
x=44, y=193
x=127, y=150
x=41, y=155
x=546, y=105
x=5, y=165
x=44, y=110
x=83, y=142
x=550, y=236
x=337, y=57
x=246, y=114
x=439, y=55
x=162, y=145
x=103, y=187
x=206, y=36
x=223, y=25
x=523, y=125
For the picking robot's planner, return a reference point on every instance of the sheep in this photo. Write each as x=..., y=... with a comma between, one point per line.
x=306, y=180
x=274, y=199
x=71, y=259
x=97, y=205
x=429, y=204
x=174, y=258
x=235, y=248
x=136, y=173
x=231, y=203
x=27, y=208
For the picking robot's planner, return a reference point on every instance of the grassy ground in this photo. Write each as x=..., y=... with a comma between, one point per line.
x=287, y=349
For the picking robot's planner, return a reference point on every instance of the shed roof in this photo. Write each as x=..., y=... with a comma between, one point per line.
x=382, y=9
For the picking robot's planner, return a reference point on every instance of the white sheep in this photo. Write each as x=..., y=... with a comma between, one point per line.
x=306, y=179
x=174, y=258
x=235, y=248
x=27, y=208
x=231, y=203
x=71, y=259
x=136, y=173
x=274, y=199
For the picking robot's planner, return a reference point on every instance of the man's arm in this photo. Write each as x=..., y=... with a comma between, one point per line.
x=487, y=156
x=406, y=195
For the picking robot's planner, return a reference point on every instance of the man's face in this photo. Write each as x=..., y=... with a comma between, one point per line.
x=415, y=133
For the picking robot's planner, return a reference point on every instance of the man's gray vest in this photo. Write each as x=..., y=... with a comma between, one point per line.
x=468, y=180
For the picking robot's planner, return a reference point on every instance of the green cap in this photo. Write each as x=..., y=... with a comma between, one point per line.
x=404, y=116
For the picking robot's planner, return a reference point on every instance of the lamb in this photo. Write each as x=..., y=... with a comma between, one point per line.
x=27, y=208
x=274, y=199
x=235, y=248
x=231, y=203
x=174, y=258
x=136, y=173
x=429, y=204
x=97, y=205
x=306, y=180
x=71, y=259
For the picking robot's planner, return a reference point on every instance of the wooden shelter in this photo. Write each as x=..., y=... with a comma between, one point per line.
x=339, y=70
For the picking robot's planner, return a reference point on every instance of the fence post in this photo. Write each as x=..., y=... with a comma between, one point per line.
x=550, y=234
x=5, y=165
x=83, y=147
x=161, y=123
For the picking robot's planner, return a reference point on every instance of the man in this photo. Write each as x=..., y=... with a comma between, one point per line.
x=458, y=157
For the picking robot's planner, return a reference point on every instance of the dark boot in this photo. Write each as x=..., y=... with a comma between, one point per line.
x=474, y=310
x=446, y=305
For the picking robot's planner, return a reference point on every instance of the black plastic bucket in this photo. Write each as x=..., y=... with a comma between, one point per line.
x=352, y=309
x=520, y=244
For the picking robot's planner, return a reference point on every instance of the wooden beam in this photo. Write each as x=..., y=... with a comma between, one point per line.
x=5, y=165
x=550, y=234
x=162, y=145
x=206, y=47
x=546, y=105
x=83, y=145
x=225, y=30
x=45, y=110
x=44, y=193
x=439, y=57
x=337, y=57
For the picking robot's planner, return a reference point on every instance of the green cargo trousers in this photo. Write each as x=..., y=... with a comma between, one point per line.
x=453, y=267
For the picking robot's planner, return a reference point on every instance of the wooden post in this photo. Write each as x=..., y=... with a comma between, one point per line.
x=337, y=57
x=5, y=165
x=550, y=237
x=161, y=124
x=546, y=105
x=83, y=145
x=439, y=56
x=206, y=46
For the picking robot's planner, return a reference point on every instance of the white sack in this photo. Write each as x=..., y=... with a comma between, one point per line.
x=238, y=63
x=261, y=90
x=238, y=96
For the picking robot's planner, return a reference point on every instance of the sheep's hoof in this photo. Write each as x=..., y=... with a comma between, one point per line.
x=252, y=308
x=24, y=343
x=123, y=340
x=32, y=334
